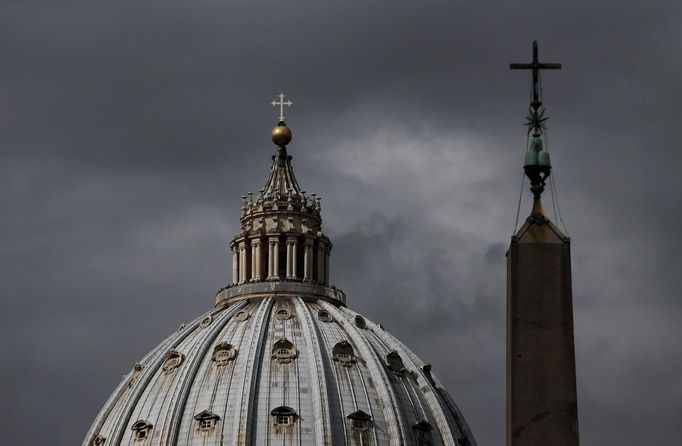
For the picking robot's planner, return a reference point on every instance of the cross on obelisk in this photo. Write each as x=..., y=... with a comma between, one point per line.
x=281, y=104
x=536, y=66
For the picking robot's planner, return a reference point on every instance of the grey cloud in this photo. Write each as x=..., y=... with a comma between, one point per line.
x=129, y=131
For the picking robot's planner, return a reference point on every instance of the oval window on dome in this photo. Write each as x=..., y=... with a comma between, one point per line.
x=283, y=351
x=283, y=314
x=172, y=361
x=241, y=316
x=99, y=441
x=141, y=430
x=343, y=354
x=360, y=322
x=137, y=369
x=223, y=353
x=324, y=316
x=205, y=322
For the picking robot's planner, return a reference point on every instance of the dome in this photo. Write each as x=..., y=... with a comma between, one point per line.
x=280, y=359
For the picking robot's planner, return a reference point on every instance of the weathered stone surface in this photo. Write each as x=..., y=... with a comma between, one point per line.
x=541, y=383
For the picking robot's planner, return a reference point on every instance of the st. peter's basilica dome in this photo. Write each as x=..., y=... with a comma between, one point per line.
x=280, y=359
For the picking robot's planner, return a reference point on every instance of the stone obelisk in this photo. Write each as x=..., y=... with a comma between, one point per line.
x=541, y=384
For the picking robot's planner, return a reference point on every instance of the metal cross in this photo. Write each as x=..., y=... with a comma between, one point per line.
x=536, y=66
x=281, y=104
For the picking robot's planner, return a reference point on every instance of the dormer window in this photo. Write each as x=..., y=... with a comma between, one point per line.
x=324, y=316
x=283, y=416
x=422, y=431
x=141, y=430
x=283, y=351
x=426, y=368
x=343, y=354
x=360, y=322
x=206, y=420
x=395, y=363
x=99, y=441
x=172, y=361
x=223, y=353
x=360, y=420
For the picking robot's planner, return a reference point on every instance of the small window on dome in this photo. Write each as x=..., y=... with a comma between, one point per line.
x=343, y=354
x=360, y=322
x=422, y=430
x=137, y=369
x=395, y=362
x=360, y=420
x=223, y=353
x=283, y=416
x=205, y=322
x=426, y=368
x=141, y=430
x=99, y=441
x=241, y=316
x=324, y=316
x=283, y=314
x=283, y=351
x=206, y=420
x=173, y=360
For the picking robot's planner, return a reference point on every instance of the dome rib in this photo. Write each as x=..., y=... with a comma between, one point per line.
x=387, y=397
x=319, y=381
x=427, y=389
x=142, y=382
x=250, y=370
x=165, y=410
x=438, y=391
x=323, y=336
x=192, y=367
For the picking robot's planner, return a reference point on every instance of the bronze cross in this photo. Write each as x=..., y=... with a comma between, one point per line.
x=536, y=66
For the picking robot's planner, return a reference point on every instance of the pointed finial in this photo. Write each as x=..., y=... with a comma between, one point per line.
x=281, y=135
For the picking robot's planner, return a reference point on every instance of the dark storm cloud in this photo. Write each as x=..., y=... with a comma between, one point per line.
x=130, y=130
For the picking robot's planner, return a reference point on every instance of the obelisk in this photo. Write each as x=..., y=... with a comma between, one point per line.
x=541, y=383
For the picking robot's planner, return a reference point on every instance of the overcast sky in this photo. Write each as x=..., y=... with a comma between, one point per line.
x=130, y=130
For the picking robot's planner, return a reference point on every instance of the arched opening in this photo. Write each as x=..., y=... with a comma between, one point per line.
x=223, y=353
x=283, y=351
x=343, y=354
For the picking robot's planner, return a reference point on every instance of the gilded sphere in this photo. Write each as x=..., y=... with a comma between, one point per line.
x=281, y=135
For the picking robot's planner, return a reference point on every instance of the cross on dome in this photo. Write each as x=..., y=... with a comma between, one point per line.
x=281, y=104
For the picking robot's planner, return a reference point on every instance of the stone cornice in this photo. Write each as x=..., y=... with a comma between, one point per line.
x=280, y=287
